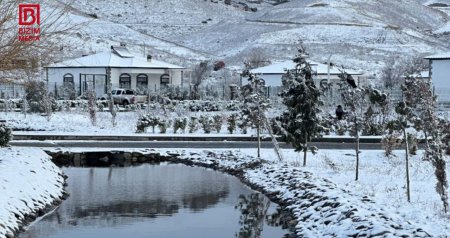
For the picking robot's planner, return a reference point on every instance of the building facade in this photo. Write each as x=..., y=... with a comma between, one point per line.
x=324, y=76
x=440, y=76
x=74, y=77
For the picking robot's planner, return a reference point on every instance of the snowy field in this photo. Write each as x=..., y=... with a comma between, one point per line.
x=72, y=122
x=383, y=180
x=29, y=184
x=79, y=122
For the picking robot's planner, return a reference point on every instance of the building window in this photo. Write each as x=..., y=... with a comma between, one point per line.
x=68, y=80
x=68, y=90
x=141, y=84
x=125, y=81
x=165, y=80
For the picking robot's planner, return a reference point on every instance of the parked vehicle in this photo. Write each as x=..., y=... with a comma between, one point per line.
x=125, y=97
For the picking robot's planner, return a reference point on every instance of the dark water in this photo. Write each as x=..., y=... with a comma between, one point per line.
x=158, y=201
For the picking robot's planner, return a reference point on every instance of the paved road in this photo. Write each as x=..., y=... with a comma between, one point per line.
x=184, y=144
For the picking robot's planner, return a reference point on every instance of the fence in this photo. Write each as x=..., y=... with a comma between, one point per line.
x=11, y=90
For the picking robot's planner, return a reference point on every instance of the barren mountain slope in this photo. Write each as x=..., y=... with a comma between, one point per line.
x=357, y=33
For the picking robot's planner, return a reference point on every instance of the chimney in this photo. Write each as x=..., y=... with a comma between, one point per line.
x=149, y=58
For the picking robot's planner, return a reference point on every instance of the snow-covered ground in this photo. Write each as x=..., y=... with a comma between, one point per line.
x=323, y=195
x=383, y=179
x=29, y=185
x=79, y=122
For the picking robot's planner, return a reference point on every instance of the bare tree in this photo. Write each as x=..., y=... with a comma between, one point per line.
x=256, y=58
x=18, y=58
x=112, y=110
x=92, y=107
x=395, y=71
x=199, y=73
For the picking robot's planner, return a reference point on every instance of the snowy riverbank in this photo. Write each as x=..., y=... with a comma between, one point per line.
x=30, y=186
x=320, y=207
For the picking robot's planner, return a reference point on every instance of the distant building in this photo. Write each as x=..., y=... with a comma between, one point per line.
x=125, y=69
x=440, y=75
x=273, y=73
x=11, y=88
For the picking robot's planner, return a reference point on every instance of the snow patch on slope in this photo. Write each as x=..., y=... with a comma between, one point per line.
x=29, y=184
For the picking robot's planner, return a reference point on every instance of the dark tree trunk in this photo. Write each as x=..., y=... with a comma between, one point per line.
x=305, y=150
x=357, y=152
x=408, y=193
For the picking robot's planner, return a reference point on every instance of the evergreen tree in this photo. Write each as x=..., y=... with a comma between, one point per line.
x=355, y=99
x=255, y=101
x=424, y=117
x=301, y=121
x=403, y=110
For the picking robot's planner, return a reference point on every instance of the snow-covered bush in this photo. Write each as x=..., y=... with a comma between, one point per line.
x=218, y=120
x=162, y=125
x=101, y=107
x=232, y=121
x=341, y=127
x=179, y=123
x=207, y=123
x=233, y=106
x=37, y=95
x=412, y=144
x=192, y=124
x=390, y=142
x=146, y=121
x=376, y=114
x=5, y=135
x=243, y=124
x=206, y=106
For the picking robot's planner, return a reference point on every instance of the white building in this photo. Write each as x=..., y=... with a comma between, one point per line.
x=440, y=75
x=273, y=73
x=124, y=69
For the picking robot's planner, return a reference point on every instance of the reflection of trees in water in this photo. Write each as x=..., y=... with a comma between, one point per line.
x=254, y=211
x=199, y=202
x=145, y=209
x=120, y=212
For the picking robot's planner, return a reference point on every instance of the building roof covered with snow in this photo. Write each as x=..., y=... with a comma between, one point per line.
x=440, y=56
x=281, y=67
x=118, y=57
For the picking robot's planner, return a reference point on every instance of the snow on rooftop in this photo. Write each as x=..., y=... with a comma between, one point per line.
x=118, y=58
x=281, y=67
x=445, y=55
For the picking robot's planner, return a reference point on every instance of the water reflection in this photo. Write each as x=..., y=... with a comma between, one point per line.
x=253, y=210
x=153, y=201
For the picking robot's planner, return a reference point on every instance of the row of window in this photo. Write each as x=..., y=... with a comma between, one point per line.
x=125, y=81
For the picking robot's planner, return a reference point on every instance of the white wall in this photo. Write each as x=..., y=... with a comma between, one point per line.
x=440, y=76
x=56, y=75
x=154, y=77
x=272, y=80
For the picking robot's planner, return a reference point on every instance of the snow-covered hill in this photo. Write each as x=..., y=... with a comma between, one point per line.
x=357, y=33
